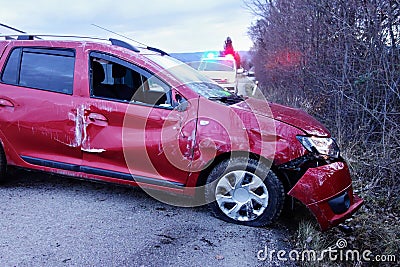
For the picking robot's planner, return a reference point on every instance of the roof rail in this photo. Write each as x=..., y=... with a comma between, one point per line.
x=113, y=41
x=37, y=36
x=140, y=43
x=25, y=37
x=157, y=50
x=124, y=44
x=19, y=36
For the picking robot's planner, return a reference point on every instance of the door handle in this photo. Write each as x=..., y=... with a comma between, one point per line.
x=167, y=121
x=98, y=119
x=168, y=118
x=6, y=103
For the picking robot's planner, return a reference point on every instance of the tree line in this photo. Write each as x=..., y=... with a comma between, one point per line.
x=340, y=61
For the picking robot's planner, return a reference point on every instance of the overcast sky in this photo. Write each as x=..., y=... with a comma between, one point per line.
x=174, y=26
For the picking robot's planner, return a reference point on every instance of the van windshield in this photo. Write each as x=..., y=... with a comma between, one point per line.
x=217, y=65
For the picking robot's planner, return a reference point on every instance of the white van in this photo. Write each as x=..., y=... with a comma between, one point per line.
x=222, y=70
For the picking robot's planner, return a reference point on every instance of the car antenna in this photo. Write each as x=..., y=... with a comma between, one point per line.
x=15, y=29
x=126, y=37
x=11, y=28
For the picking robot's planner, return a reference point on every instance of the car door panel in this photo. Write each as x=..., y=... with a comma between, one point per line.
x=134, y=141
x=37, y=105
x=136, y=136
x=38, y=124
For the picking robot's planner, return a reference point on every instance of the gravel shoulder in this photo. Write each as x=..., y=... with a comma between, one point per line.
x=49, y=220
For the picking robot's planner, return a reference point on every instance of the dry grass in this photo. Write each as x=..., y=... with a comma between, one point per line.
x=308, y=237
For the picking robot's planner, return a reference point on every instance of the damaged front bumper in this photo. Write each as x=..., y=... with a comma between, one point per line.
x=327, y=191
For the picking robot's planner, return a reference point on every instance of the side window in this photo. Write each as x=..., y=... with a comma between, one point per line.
x=48, y=70
x=45, y=69
x=11, y=71
x=118, y=80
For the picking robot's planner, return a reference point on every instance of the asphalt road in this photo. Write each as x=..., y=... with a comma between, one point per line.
x=49, y=220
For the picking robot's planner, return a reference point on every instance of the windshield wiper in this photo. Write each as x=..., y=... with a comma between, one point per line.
x=232, y=99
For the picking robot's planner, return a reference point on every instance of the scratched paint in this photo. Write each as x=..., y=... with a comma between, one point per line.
x=81, y=123
x=93, y=150
x=78, y=117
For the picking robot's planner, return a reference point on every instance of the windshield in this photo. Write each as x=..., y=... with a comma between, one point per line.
x=217, y=65
x=190, y=77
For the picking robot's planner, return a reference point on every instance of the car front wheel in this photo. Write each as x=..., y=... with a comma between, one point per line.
x=244, y=191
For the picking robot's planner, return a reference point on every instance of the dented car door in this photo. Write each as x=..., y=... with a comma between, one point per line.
x=37, y=113
x=131, y=129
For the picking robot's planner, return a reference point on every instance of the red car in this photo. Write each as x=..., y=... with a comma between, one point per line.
x=115, y=113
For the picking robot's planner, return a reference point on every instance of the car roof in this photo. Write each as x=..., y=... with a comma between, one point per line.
x=72, y=40
x=120, y=48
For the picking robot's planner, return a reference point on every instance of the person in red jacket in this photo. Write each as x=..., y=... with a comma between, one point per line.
x=228, y=50
x=228, y=47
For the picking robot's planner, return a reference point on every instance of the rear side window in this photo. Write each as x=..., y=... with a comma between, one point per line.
x=11, y=71
x=46, y=69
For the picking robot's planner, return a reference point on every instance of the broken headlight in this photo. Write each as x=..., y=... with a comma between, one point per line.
x=324, y=146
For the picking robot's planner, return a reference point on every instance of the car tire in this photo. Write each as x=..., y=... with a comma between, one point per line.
x=3, y=165
x=244, y=191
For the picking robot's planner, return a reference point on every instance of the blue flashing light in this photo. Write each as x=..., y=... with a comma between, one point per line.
x=210, y=55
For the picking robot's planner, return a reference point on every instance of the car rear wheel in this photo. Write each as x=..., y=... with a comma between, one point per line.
x=244, y=191
x=3, y=165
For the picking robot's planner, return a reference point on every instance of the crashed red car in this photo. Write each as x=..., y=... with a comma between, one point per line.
x=116, y=113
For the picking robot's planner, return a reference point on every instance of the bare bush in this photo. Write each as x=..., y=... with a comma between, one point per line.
x=340, y=61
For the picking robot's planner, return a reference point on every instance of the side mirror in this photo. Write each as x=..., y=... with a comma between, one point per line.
x=240, y=71
x=181, y=103
x=182, y=106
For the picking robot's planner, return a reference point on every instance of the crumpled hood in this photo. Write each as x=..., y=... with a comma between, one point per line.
x=292, y=116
